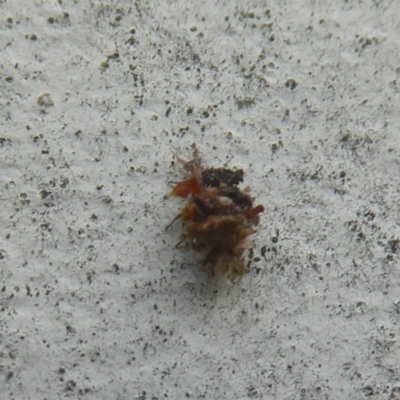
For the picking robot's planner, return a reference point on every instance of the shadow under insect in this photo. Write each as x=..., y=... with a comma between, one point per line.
x=218, y=217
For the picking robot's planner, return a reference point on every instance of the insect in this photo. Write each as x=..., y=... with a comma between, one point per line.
x=218, y=217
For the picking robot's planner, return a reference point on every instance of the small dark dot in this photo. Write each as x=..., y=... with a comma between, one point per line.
x=291, y=84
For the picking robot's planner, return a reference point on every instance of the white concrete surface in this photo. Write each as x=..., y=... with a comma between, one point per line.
x=96, y=303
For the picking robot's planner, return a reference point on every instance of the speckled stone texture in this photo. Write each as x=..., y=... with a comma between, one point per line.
x=95, y=300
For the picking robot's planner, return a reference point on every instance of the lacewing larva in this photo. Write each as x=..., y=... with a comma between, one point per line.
x=218, y=217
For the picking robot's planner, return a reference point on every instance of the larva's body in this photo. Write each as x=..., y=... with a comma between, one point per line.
x=218, y=217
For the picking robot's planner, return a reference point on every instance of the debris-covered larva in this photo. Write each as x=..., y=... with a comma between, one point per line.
x=218, y=217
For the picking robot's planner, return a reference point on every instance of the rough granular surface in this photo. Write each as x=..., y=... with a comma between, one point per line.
x=96, y=302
